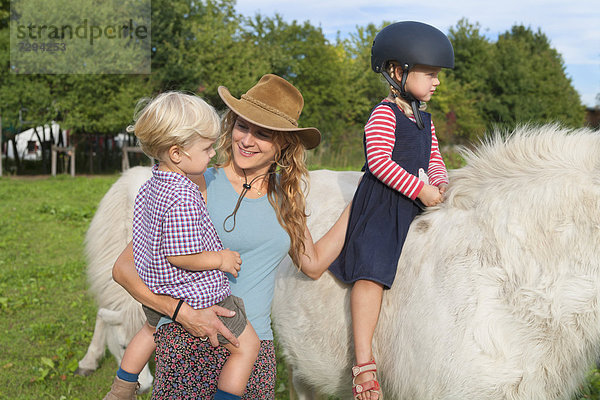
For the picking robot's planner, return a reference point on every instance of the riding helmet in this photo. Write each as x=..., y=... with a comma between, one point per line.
x=410, y=43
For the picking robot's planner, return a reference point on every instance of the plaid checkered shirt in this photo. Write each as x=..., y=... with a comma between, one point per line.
x=170, y=219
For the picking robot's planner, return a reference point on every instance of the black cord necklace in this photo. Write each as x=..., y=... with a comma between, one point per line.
x=245, y=188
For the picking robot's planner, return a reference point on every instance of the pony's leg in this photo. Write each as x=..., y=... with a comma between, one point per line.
x=300, y=390
x=145, y=379
x=95, y=351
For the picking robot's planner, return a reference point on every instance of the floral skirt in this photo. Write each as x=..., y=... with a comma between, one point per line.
x=188, y=368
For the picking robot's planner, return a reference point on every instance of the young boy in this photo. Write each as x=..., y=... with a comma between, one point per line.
x=177, y=251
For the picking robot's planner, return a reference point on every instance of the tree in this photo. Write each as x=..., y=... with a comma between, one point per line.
x=528, y=82
x=225, y=55
x=99, y=104
x=456, y=111
x=472, y=55
x=457, y=104
x=84, y=37
x=199, y=45
x=518, y=79
x=300, y=53
x=25, y=101
x=368, y=88
x=297, y=52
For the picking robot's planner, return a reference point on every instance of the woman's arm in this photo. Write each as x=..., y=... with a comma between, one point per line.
x=201, y=323
x=319, y=256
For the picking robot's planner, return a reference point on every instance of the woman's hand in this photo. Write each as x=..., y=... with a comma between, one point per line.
x=320, y=255
x=204, y=323
x=201, y=323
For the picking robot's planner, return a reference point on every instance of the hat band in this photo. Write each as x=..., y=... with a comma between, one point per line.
x=269, y=109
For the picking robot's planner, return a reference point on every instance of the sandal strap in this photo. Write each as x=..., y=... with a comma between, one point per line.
x=365, y=387
x=360, y=368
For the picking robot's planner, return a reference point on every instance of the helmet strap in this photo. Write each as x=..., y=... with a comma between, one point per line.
x=404, y=93
x=393, y=83
x=414, y=103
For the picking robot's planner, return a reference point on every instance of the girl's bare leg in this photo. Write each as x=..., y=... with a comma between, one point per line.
x=365, y=302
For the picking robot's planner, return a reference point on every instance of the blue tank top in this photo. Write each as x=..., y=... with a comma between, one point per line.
x=258, y=237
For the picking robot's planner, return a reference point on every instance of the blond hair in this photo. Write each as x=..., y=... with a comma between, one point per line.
x=286, y=178
x=173, y=119
x=398, y=99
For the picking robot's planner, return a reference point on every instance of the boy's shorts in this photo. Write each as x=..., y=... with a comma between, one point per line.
x=152, y=316
x=235, y=324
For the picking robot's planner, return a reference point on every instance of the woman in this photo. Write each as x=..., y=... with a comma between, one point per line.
x=255, y=200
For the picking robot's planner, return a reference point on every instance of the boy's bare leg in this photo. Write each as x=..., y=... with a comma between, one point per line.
x=139, y=350
x=236, y=371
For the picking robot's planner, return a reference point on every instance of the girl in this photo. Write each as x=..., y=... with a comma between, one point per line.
x=399, y=142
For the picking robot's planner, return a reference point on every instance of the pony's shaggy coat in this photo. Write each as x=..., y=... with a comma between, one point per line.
x=496, y=295
x=119, y=316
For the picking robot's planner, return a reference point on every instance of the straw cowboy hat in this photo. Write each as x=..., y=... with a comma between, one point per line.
x=274, y=104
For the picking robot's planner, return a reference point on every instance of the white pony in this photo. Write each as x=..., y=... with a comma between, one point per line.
x=497, y=290
x=119, y=316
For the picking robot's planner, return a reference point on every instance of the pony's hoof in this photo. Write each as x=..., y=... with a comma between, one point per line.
x=83, y=372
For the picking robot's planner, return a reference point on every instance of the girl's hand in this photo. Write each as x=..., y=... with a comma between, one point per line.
x=430, y=195
x=443, y=187
x=231, y=262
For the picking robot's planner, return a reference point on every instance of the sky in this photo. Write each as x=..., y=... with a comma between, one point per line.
x=572, y=26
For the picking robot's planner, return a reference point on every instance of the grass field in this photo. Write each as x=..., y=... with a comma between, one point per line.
x=46, y=316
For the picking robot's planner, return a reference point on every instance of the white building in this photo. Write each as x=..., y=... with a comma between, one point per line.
x=28, y=144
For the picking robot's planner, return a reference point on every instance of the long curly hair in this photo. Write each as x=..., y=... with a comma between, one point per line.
x=287, y=181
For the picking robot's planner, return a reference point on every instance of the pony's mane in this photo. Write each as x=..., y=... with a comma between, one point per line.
x=528, y=156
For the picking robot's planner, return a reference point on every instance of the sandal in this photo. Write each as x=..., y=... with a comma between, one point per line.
x=372, y=385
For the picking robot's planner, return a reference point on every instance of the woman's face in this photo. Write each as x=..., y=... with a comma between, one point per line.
x=253, y=148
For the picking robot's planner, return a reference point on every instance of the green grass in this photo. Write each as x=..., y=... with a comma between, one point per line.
x=46, y=316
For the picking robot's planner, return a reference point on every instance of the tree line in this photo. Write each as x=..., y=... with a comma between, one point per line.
x=198, y=45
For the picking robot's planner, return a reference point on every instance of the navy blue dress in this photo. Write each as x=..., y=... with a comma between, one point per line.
x=380, y=216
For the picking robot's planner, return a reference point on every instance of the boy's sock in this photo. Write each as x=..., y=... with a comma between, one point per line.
x=127, y=376
x=221, y=395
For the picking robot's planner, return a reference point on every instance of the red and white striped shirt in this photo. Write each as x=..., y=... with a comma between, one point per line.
x=380, y=139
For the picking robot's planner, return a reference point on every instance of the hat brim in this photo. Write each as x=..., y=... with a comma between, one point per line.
x=310, y=137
